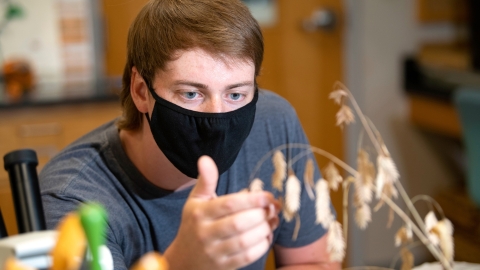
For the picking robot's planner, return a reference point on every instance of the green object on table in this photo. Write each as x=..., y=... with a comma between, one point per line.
x=13, y=11
x=94, y=220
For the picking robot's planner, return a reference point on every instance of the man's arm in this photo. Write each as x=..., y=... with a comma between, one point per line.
x=312, y=256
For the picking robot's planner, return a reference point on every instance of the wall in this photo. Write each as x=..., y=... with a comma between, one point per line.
x=35, y=36
x=379, y=34
x=61, y=39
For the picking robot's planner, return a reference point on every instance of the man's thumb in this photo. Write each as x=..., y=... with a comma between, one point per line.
x=207, y=179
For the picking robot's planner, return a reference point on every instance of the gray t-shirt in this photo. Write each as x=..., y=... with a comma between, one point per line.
x=143, y=217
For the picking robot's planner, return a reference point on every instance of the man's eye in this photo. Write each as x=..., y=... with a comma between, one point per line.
x=235, y=96
x=190, y=95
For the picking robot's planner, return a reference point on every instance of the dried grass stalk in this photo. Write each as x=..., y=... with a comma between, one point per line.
x=280, y=172
x=308, y=178
x=322, y=204
x=333, y=176
x=336, y=242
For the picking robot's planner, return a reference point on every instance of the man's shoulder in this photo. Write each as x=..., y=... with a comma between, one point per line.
x=82, y=158
x=273, y=107
x=270, y=99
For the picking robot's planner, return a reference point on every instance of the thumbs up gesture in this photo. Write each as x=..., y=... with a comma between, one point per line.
x=226, y=232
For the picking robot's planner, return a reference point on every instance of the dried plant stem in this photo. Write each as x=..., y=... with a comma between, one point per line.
x=363, y=119
x=420, y=234
x=335, y=160
x=346, y=189
x=399, y=254
x=435, y=252
x=411, y=207
x=317, y=150
x=431, y=201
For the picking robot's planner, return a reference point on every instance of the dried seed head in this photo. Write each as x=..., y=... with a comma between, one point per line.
x=444, y=231
x=363, y=216
x=256, y=185
x=292, y=193
x=337, y=95
x=386, y=177
x=336, y=242
x=407, y=259
x=403, y=236
x=280, y=172
x=430, y=222
x=364, y=179
x=345, y=116
x=333, y=176
x=322, y=204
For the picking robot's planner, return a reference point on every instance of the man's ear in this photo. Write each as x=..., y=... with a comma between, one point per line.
x=139, y=91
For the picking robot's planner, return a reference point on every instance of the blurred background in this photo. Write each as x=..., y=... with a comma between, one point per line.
x=403, y=60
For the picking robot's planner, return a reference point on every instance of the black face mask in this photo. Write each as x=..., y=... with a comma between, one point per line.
x=184, y=135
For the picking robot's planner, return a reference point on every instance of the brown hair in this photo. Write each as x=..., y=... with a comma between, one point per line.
x=223, y=28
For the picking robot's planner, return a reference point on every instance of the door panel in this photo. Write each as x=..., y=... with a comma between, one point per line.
x=302, y=67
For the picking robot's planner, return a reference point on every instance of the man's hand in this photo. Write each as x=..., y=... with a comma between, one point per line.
x=226, y=232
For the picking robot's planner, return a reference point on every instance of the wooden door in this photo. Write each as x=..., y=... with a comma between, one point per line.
x=299, y=65
x=302, y=66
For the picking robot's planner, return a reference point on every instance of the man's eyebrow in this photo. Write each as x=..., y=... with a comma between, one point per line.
x=247, y=83
x=189, y=83
x=204, y=86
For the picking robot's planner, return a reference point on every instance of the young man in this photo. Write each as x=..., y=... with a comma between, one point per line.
x=170, y=172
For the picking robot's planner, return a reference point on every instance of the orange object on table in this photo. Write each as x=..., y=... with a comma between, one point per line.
x=71, y=244
x=18, y=78
x=13, y=264
x=151, y=261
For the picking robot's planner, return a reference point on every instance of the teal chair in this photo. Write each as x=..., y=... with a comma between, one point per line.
x=467, y=103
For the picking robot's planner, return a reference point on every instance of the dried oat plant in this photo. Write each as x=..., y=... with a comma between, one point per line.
x=376, y=184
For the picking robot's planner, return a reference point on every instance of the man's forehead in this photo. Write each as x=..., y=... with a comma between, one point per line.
x=229, y=60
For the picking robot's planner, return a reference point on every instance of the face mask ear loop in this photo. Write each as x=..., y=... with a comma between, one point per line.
x=150, y=89
x=148, y=118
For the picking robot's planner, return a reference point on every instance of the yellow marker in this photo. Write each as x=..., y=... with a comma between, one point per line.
x=70, y=248
x=151, y=261
x=13, y=264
